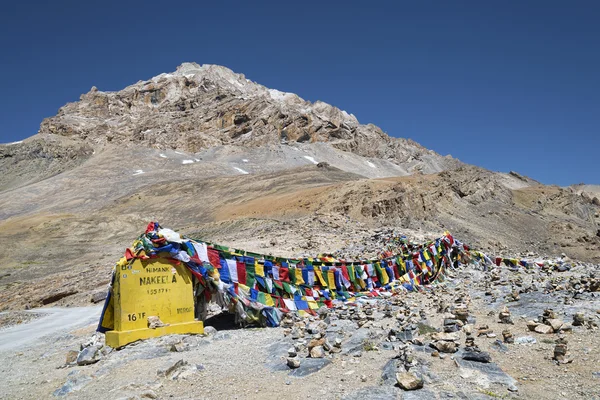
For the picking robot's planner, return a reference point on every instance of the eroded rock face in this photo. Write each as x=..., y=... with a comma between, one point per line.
x=197, y=107
x=37, y=159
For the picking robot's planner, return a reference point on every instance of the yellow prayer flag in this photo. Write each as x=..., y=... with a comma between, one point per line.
x=299, y=280
x=384, y=276
x=259, y=269
x=331, y=279
x=269, y=300
x=319, y=275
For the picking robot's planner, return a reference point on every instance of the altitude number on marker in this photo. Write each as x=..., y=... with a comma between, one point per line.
x=135, y=316
x=157, y=291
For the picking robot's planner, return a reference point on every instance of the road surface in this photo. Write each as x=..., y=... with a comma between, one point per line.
x=56, y=321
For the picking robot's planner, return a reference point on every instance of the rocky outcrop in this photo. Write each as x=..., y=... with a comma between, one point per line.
x=39, y=158
x=198, y=107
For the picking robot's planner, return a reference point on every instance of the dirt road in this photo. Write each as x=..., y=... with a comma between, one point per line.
x=56, y=320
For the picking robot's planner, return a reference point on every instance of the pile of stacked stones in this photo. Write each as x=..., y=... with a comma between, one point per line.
x=548, y=323
x=309, y=338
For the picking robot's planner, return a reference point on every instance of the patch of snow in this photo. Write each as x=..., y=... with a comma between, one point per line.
x=10, y=144
x=162, y=155
x=312, y=160
x=235, y=82
x=244, y=160
x=187, y=162
x=370, y=164
x=195, y=159
x=138, y=172
x=180, y=153
x=163, y=75
x=242, y=171
x=277, y=95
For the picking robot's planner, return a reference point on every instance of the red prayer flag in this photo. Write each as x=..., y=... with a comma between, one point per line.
x=213, y=257
x=241, y=271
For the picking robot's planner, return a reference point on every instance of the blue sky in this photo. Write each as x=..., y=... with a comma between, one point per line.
x=511, y=85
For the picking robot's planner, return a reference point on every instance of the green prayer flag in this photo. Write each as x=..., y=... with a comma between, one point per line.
x=250, y=275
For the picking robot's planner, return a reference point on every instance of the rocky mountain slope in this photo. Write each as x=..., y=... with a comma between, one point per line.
x=200, y=107
x=207, y=152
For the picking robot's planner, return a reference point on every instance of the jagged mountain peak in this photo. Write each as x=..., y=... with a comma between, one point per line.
x=198, y=107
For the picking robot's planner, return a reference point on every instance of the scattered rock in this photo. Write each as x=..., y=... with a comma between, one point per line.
x=293, y=362
x=444, y=346
x=71, y=357
x=210, y=330
x=149, y=394
x=180, y=370
x=478, y=356
x=507, y=336
x=555, y=323
x=178, y=347
x=57, y=295
x=560, y=352
x=504, y=316
x=531, y=325
x=317, y=352
x=449, y=337
x=578, y=319
x=155, y=322
x=525, y=340
x=88, y=356
x=409, y=381
x=543, y=329
x=98, y=297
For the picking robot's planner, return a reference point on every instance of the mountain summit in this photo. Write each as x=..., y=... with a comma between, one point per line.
x=201, y=106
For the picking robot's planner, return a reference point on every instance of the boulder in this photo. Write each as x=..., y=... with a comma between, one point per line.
x=71, y=357
x=98, y=297
x=444, y=347
x=292, y=352
x=316, y=342
x=578, y=319
x=293, y=362
x=155, y=322
x=317, y=352
x=210, y=330
x=555, y=323
x=544, y=329
x=88, y=356
x=179, y=370
x=446, y=336
x=409, y=381
x=478, y=356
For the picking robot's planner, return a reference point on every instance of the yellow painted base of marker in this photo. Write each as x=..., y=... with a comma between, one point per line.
x=116, y=339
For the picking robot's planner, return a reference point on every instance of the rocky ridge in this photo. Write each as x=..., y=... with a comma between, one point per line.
x=199, y=107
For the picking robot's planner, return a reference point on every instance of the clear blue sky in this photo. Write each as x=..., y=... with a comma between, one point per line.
x=507, y=85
